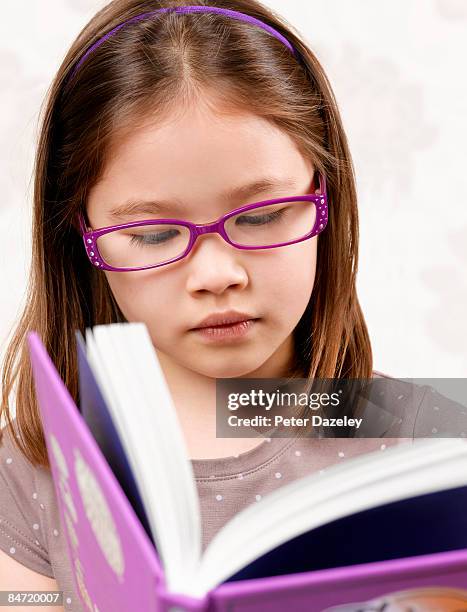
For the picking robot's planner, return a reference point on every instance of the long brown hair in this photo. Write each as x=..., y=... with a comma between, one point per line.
x=142, y=69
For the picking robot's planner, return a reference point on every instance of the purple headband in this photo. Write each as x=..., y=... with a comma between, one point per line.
x=189, y=9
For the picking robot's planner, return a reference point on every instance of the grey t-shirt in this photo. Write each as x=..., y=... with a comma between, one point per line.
x=30, y=528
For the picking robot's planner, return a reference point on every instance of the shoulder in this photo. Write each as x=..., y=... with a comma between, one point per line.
x=417, y=409
x=440, y=415
x=391, y=406
x=15, y=470
x=21, y=522
x=17, y=474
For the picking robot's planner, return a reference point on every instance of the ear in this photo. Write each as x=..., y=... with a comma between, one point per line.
x=322, y=184
x=313, y=184
x=318, y=184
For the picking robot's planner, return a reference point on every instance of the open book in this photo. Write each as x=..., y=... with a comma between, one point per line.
x=130, y=508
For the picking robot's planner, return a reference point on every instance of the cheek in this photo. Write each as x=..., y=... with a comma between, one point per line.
x=290, y=277
x=139, y=295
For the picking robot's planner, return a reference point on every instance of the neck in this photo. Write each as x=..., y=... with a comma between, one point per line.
x=194, y=397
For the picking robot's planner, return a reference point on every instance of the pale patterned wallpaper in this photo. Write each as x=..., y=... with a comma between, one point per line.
x=398, y=71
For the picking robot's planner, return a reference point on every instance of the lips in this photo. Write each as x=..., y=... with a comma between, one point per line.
x=233, y=332
x=227, y=318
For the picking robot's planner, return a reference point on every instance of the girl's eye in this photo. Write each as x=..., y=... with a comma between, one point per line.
x=260, y=219
x=154, y=237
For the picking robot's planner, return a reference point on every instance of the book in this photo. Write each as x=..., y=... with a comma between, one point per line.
x=375, y=524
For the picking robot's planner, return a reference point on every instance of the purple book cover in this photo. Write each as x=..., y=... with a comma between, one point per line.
x=116, y=566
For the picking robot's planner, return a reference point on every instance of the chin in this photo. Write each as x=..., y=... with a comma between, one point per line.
x=226, y=370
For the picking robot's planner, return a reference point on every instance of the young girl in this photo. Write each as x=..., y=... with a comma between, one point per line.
x=186, y=116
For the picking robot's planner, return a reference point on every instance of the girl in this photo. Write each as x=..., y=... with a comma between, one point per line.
x=185, y=115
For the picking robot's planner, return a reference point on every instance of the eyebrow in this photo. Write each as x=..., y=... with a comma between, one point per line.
x=140, y=206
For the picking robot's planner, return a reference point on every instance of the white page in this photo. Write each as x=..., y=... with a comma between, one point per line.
x=151, y=382
x=140, y=450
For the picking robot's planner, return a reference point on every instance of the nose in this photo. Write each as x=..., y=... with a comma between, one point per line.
x=214, y=265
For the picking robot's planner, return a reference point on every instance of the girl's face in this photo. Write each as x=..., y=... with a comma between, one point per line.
x=193, y=159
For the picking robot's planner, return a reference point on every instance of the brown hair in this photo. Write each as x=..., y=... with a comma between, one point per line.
x=141, y=69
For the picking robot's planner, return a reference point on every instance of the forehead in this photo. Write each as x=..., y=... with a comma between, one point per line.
x=194, y=157
x=201, y=143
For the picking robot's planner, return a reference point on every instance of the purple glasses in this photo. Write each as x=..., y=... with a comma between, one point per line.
x=141, y=245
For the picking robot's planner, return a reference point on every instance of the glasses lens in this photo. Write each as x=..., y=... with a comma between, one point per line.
x=272, y=224
x=143, y=245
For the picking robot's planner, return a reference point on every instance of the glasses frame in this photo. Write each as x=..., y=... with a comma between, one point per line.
x=90, y=236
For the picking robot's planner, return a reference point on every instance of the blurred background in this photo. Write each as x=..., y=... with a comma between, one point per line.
x=398, y=72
